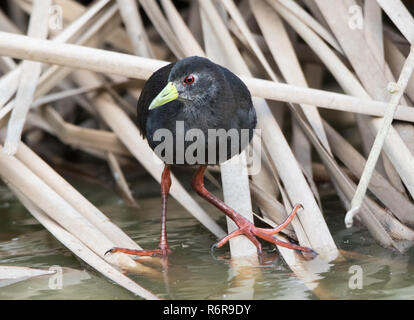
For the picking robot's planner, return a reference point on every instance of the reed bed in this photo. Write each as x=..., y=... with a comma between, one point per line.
x=98, y=54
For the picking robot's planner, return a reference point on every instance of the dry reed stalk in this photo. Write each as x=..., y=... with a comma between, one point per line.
x=303, y=15
x=35, y=120
x=289, y=172
x=347, y=187
x=323, y=99
x=300, y=145
x=234, y=174
x=79, y=203
x=184, y=35
x=15, y=272
x=378, y=221
x=366, y=134
x=287, y=203
x=181, y=195
x=379, y=186
x=7, y=25
x=281, y=154
x=92, y=37
x=16, y=15
x=394, y=146
x=185, y=200
x=72, y=196
x=7, y=64
x=190, y=45
x=72, y=93
x=94, y=32
x=128, y=133
x=241, y=24
x=161, y=25
x=396, y=59
x=373, y=29
x=79, y=20
x=71, y=9
x=82, y=251
x=79, y=57
x=374, y=38
x=83, y=137
x=401, y=17
x=396, y=90
x=264, y=177
x=135, y=28
x=27, y=182
x=121, y=181
x=376, y=229
x=38, y=28
x=285, y=57
x=119, y=38
x=8, y=83
x=366, y=64
x=123, y=103
x=272, y=28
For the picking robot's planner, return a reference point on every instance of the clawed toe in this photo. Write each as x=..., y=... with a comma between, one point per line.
x=212, y=248
x=309, y=255
x=142, y=253
x=252, y=233
x=109, y=251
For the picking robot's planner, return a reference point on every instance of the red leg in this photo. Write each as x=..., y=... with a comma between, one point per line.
x=245, y=226
x=163, y=248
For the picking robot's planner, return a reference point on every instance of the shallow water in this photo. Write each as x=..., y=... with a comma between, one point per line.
x=193, y=273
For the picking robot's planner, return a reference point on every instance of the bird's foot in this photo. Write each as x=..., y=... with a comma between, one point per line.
x=252, y=232
x=142, y=253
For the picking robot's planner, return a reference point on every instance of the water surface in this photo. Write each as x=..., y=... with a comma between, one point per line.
x=193, y=273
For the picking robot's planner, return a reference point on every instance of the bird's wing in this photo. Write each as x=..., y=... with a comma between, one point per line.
x=242, y=99
x=240, y=92
x=152, y=87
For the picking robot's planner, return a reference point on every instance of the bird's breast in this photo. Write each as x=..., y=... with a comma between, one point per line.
x=190, y=136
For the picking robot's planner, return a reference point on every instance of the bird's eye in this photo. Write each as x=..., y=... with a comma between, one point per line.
x=189, y=79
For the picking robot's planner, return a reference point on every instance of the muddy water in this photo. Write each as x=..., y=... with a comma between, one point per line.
x=193, y=273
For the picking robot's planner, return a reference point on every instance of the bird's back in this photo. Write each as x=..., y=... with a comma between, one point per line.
x=244, y=111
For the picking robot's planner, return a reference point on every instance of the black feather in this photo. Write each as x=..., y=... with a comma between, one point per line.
x=152, y=87
x=219, y=100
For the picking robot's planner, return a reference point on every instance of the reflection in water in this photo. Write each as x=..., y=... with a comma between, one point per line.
x=192, y=273
x=243, y=273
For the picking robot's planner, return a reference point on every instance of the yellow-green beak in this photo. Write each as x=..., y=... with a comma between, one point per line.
x=167, y=94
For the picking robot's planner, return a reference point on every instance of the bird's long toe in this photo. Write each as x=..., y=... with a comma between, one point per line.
x=252, y=232
x=142, y=253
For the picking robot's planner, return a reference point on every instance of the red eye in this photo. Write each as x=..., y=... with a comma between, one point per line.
x=189, y=79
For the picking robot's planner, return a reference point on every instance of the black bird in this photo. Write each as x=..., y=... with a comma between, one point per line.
x=196, y=96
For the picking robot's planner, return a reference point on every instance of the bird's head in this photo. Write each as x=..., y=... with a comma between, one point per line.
x=191, y=80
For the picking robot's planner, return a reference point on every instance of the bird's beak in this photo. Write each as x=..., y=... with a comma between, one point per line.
x=167, y=94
